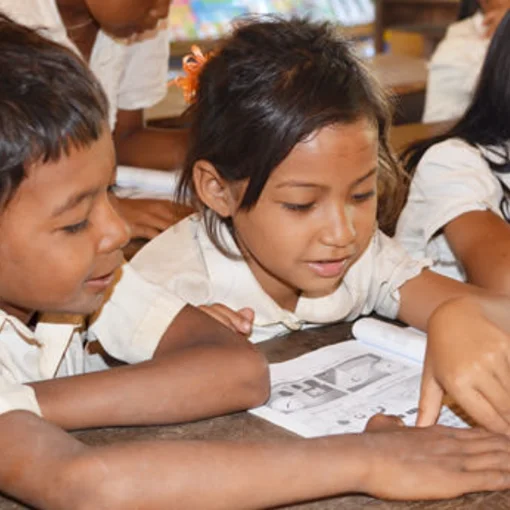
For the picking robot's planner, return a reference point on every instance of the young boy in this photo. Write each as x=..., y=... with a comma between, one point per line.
x=60, y=254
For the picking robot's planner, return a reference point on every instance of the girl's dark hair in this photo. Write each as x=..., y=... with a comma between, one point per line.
x=486, y=122
x=269, y=86
x=49, y=103
x=467, y=9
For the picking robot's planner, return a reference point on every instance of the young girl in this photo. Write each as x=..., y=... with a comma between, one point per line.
x=126, y=45
x=290, y=165
x=60, y=252
x=458, y=207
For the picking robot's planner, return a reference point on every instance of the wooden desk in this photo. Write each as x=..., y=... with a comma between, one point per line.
x=406, y=78
x=404, y=135
x=400, y=74
x=243, y=426
x=428, y=17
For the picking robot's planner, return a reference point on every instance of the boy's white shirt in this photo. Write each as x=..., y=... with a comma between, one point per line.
x=129, y=327
x=133, y=75
x=185, y=262
x=451, y=179
x=454, y=68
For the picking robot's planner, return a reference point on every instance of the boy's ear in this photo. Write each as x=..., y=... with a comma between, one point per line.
x=212, y=189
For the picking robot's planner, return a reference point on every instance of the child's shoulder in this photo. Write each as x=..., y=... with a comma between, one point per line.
x=452, y=154
x=175, y=250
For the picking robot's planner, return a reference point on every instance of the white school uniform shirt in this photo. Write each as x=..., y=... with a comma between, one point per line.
x=451, y=179
x=454, y=69
x=185, y=262
x=133, y=75
x=129, y=327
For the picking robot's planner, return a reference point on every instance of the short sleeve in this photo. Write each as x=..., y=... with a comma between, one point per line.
x=144, y=79
x=17, y=397
x=451, y=179
x=376, y=278
x=134, y=318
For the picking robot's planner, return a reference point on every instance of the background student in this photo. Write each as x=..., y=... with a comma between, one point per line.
x=457, y=210
x=60, y=251
x=126, y=45
x=455, y=65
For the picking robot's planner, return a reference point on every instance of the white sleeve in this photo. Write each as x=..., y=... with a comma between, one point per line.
x=17, y=397
x=451, y=179
x=144, y=80
x=453, y=70
x=376, y=278
x=134, y=318
x=449, y=91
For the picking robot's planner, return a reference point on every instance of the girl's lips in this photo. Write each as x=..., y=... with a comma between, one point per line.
x=329, y=268
x=101, y=282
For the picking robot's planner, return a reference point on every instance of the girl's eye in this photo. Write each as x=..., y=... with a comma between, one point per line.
x=298, y=207
x=363, y=197
x=77, y=227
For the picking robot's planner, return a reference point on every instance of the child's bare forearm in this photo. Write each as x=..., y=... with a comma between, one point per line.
x=196, y=383
x=200, y=369
x=49, y=469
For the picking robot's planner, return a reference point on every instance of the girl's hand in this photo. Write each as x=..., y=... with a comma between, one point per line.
x=468, y=357
x=404, y=463
x=149, y=217
x=239, y=322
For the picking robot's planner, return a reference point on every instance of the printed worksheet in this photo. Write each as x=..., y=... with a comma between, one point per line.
x=336, y=389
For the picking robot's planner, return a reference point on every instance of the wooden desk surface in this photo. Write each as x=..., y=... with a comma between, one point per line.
x=401, y=74
x=403, y=135
x=243, y=426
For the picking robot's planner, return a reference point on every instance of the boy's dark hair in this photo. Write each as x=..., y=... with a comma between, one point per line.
x=49, y=103
x=486, y=122
x=269, y=86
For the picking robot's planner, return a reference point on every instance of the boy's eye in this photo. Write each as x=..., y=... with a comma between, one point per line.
x=298, y=207
x=363, y=197
x=77, y=227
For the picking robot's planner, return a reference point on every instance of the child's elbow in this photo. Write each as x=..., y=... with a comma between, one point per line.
x=254, y=373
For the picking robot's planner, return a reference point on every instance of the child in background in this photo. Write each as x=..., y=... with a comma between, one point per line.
x=290, y=166
x=458, y=208
x=454, y=67
x=61, y=245
x=127, y=48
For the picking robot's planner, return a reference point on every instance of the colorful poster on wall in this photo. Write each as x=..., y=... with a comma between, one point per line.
x=210, y=19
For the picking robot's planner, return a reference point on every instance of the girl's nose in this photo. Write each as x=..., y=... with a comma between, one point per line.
x=340, y=230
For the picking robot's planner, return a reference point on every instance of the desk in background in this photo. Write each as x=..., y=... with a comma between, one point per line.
x=403, y=136
x=243, y=426
x=426, y=17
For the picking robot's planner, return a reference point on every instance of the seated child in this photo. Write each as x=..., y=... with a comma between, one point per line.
x=61, y=247
x=126, y=45
x=290, y=166
x=458, y=207
x=454, y=67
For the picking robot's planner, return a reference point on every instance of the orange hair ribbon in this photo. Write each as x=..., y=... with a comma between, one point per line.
x=192, y=65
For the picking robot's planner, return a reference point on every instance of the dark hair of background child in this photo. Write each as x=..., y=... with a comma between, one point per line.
x=269, y=86
x=36, y=123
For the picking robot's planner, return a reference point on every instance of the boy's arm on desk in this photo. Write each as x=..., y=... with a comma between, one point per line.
x=49, y=469
x=199, y=369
